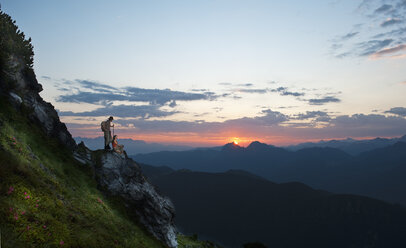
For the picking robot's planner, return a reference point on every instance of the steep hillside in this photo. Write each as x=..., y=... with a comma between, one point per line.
x=48, y=198
x=235, y=208
x=54, y=193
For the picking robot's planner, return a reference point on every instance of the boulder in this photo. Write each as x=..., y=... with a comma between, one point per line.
x=119, y=175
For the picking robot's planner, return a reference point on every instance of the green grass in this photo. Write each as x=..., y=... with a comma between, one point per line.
x=47, y=199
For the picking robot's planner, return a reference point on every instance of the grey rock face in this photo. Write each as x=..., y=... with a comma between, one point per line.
x=42, y=113
x=121, y=176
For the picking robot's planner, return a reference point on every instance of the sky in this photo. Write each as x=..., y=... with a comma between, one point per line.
x=206, y=73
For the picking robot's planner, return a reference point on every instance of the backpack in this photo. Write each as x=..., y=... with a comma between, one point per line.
x=103, y=126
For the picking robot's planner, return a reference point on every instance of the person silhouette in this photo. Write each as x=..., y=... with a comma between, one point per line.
x=105, y=127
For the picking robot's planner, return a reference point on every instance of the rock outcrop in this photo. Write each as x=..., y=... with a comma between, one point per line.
x=25, y=94
x=121, y=176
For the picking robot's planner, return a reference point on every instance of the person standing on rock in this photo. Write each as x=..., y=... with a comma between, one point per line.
x=105, y=127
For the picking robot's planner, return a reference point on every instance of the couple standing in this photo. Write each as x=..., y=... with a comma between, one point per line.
x=105, y=127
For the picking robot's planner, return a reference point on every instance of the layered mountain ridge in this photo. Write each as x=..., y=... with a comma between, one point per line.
x=376, y=173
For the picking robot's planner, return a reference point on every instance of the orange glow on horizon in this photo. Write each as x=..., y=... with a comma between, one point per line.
x=205, y=139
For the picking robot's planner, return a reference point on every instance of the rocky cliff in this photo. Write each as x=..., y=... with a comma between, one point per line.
x=119, y=175
x=25, y=97
x=115, y=174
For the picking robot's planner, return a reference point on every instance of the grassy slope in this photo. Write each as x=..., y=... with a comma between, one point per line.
x=47, y=199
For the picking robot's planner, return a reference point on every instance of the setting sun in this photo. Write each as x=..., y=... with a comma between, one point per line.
x=235, y=141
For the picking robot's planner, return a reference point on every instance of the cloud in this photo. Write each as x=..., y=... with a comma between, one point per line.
x=401, y=4
x=384, y=8
x=378, y=14
x=393, y=33
x=289, y=93
x=388, y=51
x=172, y=104
x=270, y=127
x=258, y=91
x=349, y=35
x=243, y=85
x=343, y=55
x=283, y=91
x=105, y=94
x=90, y=97
x=267, y=118
x=390, y=22
x=311, y=114
x=157, y=96
x=373, y=46
x=246, y=85
x=324, y=100
x=400, y=111
x=143, y=111
x=95, y=85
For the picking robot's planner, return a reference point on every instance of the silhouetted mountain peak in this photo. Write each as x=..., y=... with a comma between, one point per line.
x=257, y=146
x=232, y=147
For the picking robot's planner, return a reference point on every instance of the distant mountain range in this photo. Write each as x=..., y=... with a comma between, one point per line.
x=133, y=147
x=236, y=207
x=349, y=145
x=379, y=173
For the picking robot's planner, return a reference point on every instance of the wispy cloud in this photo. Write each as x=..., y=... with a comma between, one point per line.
x=284, y=91
x=369, y=40
x=143, y=111
x=324, y=100
x=400, y=111
x=393, y=33
x=126, y=101
x=389, y=51
x=373, y=46
x=311, y=114
x=349, y=35
x=383, y=9
x=390, y=22
x=98, y=93
x=246, y=85
x=259, y=91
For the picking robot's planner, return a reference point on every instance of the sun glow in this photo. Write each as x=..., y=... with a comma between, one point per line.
x=235, y=141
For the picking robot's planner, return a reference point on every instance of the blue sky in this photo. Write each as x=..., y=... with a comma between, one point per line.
x=206, y=72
